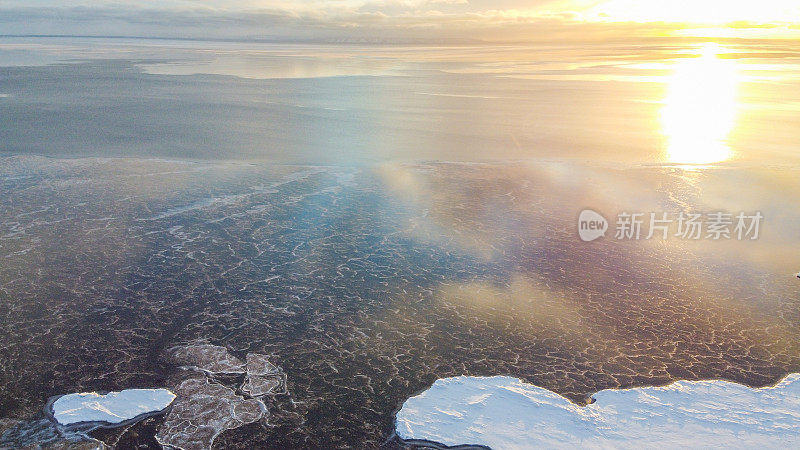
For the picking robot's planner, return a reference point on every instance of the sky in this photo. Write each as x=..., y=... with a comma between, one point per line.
x=401, y=20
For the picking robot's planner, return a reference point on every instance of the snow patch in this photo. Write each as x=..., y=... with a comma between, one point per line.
x=507, y=413
x=110, y=408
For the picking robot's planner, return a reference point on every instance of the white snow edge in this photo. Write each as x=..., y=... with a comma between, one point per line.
x=507, y=413
x=111, y=408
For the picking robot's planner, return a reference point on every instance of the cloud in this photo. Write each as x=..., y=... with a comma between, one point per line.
x=374, y=20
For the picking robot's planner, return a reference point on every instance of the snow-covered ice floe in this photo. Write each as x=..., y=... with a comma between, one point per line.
x=507, y=413
x=111, y=408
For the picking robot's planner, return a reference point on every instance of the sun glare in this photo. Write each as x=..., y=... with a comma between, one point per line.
x=708, y=12
x=700, y=108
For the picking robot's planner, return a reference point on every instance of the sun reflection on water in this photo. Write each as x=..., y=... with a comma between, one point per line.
x=700, y=108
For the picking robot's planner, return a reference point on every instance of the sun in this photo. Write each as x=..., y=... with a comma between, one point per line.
x=700, y=108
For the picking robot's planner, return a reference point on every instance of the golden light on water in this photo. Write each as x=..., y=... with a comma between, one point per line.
x=700, y=108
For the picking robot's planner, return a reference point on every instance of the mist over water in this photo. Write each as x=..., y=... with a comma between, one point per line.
x=353, y=104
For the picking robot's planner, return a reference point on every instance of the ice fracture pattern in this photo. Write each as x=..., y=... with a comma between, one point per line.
x=313, y=301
